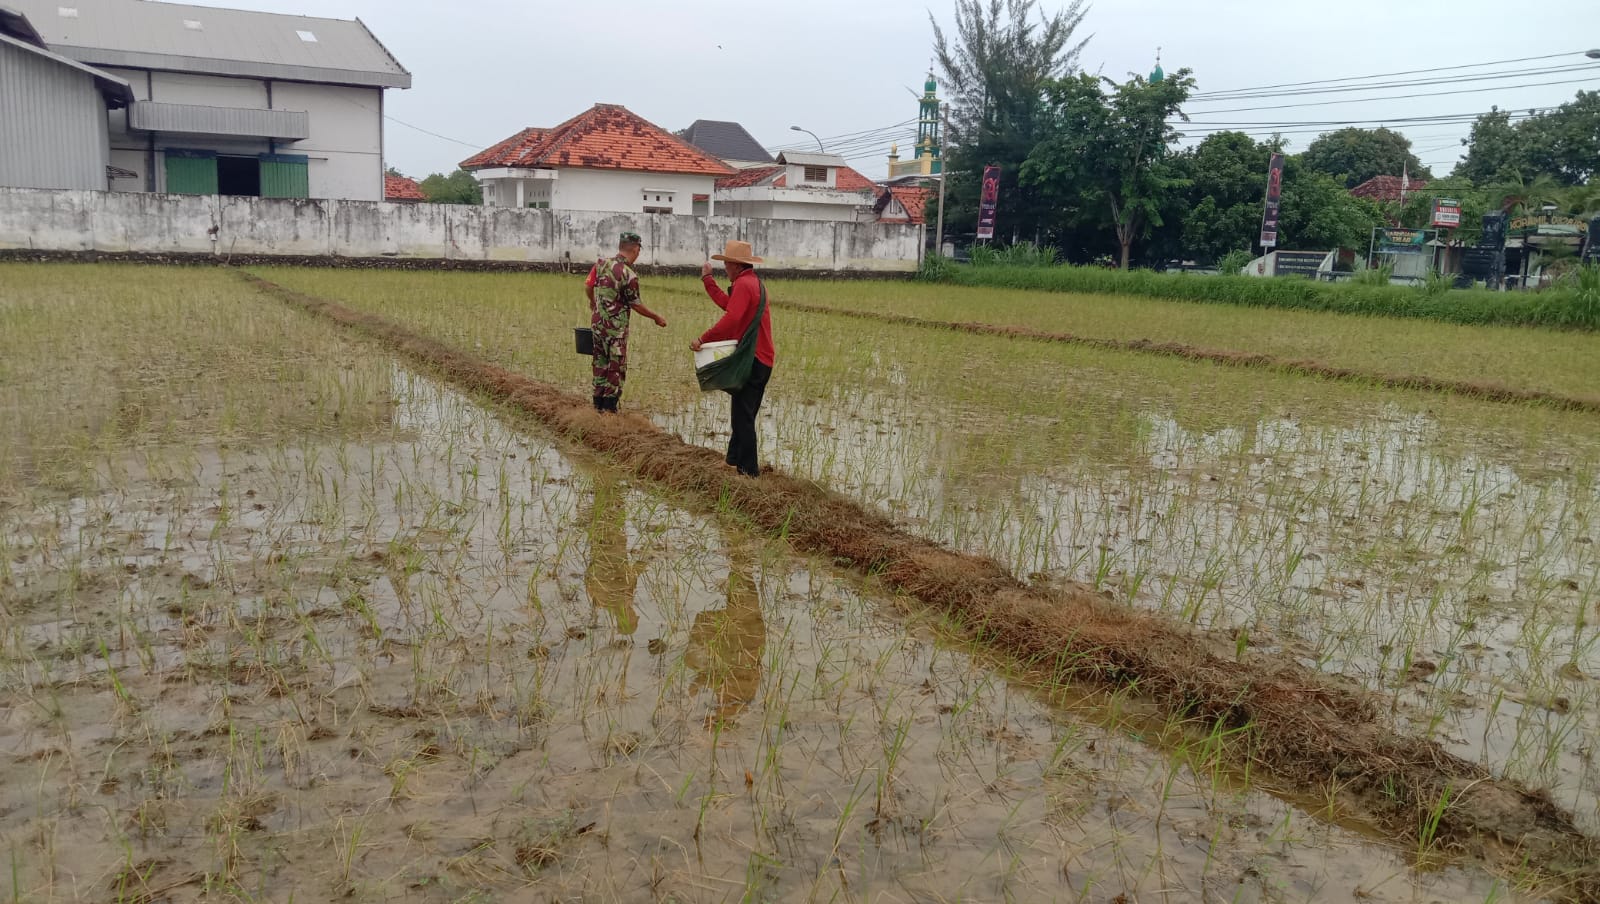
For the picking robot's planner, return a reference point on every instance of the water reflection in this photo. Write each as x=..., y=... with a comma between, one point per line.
x=725, y=644
x=611, y=578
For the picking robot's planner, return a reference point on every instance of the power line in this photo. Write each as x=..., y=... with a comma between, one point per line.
x=1367, y=100
x=1355, y=78
x=1416, y=83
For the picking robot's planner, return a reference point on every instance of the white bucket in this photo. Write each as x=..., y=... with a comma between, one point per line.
x=714, y=351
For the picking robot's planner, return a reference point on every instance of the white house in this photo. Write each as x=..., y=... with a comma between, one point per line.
x=604, y=159
x=799, y=187
x=230, y=101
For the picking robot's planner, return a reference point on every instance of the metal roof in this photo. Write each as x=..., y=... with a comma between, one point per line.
x=793, y=158
x=117, y=92
x=144, y=34
x=725, y=140
x=15, y=24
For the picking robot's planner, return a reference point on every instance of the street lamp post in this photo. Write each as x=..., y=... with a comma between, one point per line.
x=1593, y=54
x=819, y=140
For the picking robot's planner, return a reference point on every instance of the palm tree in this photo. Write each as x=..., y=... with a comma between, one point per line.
x=1522, y=197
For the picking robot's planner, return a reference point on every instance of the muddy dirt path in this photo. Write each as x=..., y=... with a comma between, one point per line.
x=1231, y=358
x=1294, y=727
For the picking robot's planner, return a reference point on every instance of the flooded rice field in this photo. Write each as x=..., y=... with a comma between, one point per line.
x=297, y=623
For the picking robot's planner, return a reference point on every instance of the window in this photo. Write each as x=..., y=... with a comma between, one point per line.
x=538, y=205
x=816, y=174
x=658, y=210
x=658, y=201
x=193, y=25
x=310, y=37
x=67, y=12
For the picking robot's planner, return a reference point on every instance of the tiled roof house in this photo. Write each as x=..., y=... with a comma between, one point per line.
x=1385, y=188
x=606, y=158
x=799, y=187
x=402, y=190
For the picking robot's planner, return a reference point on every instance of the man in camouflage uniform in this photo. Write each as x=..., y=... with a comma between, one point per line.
x=613, y=289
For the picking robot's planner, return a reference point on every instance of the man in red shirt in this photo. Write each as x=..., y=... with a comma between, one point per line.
x=740, y=303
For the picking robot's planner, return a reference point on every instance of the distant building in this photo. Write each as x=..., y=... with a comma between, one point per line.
x=606, y=159
x=1386, y=188
x=904, y=203
x=800, y=187
x=728, y=142
x=53, y=124
x=230, y=101
x=402, y=190
x=929, y=159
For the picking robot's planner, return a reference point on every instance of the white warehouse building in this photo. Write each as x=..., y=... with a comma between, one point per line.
x=229, y=101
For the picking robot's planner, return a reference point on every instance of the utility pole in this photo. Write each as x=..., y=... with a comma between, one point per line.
x=944, y=173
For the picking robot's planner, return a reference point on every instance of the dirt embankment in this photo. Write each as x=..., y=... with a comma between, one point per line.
x=1299, y=728
x=1492, y=392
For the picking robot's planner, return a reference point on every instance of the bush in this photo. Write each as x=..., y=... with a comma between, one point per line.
x=936, y=268
x=1022, y=254
x=1234, y=261
x=1571, y=305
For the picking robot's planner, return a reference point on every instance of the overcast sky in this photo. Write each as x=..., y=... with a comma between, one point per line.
x=483, y=69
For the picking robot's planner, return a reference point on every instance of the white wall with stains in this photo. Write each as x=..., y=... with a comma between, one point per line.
x=129, y=222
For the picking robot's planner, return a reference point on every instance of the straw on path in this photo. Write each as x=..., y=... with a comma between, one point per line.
x=1303, y=730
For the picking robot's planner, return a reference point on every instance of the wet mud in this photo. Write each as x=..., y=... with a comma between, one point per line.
x=1286, y=725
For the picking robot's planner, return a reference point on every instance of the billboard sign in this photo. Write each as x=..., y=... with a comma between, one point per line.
x=1401, y=241
x=1269, y=220
x=988, y=203
x=1446, y=213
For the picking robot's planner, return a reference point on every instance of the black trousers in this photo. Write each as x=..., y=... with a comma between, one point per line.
x=742, y=452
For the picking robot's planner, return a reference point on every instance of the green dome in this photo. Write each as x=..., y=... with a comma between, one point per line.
x=932, y=85
x=1157, y=75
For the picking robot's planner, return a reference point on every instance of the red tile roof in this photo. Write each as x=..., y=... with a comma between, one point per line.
x=606, y=136
x=846, y=179
x=745, y=178
x=1385, y=188
x=400, y=188
x=914, y=199
x=515, y=146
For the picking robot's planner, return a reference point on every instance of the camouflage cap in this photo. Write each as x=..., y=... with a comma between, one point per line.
x=630, y=238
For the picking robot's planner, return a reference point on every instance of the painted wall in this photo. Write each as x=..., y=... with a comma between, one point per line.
x=608, y=190
x=207, y=224
x=345, y=145
x=52, y=124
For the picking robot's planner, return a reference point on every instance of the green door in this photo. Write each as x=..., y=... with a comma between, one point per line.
x=191, y=173
x=284, y=176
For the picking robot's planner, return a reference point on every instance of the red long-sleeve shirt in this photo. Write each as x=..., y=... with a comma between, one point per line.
x=741, y=306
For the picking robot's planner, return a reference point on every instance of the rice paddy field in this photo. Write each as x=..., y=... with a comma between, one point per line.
x=286, y=615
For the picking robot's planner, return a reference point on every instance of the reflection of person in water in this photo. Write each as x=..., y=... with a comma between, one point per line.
x=725, y=644
x=610, y=578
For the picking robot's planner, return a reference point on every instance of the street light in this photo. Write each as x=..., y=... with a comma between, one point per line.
x=1593, y=54
x=825, y=150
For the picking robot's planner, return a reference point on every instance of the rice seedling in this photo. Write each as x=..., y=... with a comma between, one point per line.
x=436, y=652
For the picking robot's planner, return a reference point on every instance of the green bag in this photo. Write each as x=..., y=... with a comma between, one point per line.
x=731, y=373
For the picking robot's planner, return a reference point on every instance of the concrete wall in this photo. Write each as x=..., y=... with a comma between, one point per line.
x=196, y=224
x=345, y=145
x=52, y=123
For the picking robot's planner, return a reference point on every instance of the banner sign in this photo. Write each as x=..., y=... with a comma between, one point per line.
x=988, y=203
x=1299, y=263
x=1401, y=241
x=1269, y=221
x=1446, y=213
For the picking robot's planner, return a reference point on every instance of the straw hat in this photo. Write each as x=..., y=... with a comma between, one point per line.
x=739, y=253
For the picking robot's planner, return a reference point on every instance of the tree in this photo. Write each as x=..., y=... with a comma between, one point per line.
x=457, y=188
x=1318, y=213
x=391, y=171
x=1227, y=175
x=995, y=64
x=1352, y=156
x=1109, y=157
x=1563, y=144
